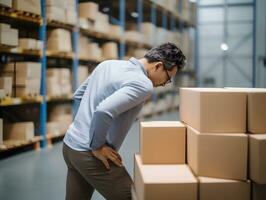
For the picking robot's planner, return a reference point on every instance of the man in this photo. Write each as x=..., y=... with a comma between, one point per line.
x=108, y=104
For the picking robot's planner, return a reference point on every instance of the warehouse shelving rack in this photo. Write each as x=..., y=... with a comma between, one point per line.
x=168, y=18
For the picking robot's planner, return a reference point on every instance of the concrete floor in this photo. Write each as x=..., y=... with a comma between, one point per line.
x=42, y=175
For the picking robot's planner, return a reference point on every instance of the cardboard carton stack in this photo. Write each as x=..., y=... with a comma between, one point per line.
x=62, y=11
x=59, y=119
x=110, y=50
x=6, y=85
x=58, y=82
x=99, y=20
x=59, y=40
x=256, y=128
x=30, y=44
x=8, y=35
x=83, y=74
x=19, y=131
x=31, y=6
x=162, y=172
x=217, y=143
x=25, y=76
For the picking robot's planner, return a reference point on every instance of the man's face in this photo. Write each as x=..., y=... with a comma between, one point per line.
x=160, y=76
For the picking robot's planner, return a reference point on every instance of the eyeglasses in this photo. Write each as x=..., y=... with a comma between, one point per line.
x=169, y=80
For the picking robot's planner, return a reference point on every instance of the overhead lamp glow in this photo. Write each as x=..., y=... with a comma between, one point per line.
x=106, y=9
x=134, y=14
x=224, y=47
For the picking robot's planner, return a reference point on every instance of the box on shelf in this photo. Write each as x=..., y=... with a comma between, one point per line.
x=220, y=189
x=88, y=10
x=31, y=6
x=110, y=50
x=8, y=36
x=256, y=109
x=217, y=155
x=6, y=85
x=171, y=135
x=56, y=13
x=7, y=3
x=19, y=131
x=258, y=191
x=102, y=23
x=157, y=182
x=24, y=69
x=27, y=43
x=94, y=51
x=213, y=110
x=29, y=87
x=83, y=74
x=53, y=128
x=115, y=30
x=59, y=40
x=134, y=36
x=257, y=159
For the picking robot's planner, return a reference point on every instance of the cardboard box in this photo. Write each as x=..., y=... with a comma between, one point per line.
x=24, y=69
x=59, y=40
x=2, y=93
x=6, y=85
x=217, y=155
x=171, y=135
x=256, y=98
x=39, y=44
x=110, y=50
x=258, y=191
x=115, y=30
x=27, y=43
x=88, y=10
x=1, y=131
x=56, y=13
x=55, y=3
x=19, y=131
x=33, y=88
x=257, y=158
x=7, y=3
x=52, y=128
x=31, y=6
x=213, y=110
x=94, y=51
x=156, y=182
x=83, y=74
x=221, y=189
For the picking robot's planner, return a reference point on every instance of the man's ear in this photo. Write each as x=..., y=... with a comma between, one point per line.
x=158, y=65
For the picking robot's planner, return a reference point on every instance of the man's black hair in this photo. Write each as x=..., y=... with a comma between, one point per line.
x=169, y=54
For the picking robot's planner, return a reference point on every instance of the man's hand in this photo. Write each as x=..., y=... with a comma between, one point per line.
x=106, y=153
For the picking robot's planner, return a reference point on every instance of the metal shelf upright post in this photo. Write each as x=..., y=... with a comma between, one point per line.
x=140, y=14
x=43, y=105
x=122, y=18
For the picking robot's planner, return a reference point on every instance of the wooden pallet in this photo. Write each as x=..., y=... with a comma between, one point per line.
x=55, y=23
x=60, y=54
x=20, y=14
x=14, y=144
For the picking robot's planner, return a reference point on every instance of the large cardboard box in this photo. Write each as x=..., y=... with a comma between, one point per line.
x=25, y=69
x=88, y=10
x=31, y=6
x=221, y=189
x=213, y=110
x=83, y=74
x=169, y=135
x=258, y=191
x=56, y=13
x=19, y=131
x=160, y=182
x=256, y=98
x=110, y=50
x=31, y=87
x=59, y=40
x=217, y=155
x=6, y=85
x=27, y=43
x=257, y=158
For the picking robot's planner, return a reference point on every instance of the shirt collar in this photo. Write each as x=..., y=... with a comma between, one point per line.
x=136, y=62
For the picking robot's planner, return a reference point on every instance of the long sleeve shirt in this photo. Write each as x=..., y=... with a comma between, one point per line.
x=110, y=100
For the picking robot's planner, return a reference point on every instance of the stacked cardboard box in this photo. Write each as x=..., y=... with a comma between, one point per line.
x=256, y=127
x=59, y=40
x=8, y=35
x=88, y=50
x=27, y=77
x=60, y=115
x=53, y=128
x=110, y=50
x=31, y=6
x=30, y=44
x=6, y=85
x=217, y=146
x=162, y=172
x=58, y=82
x=19, y=131
x=148, y=31
x=7, y=3
x=83, y=74
x=61, y=10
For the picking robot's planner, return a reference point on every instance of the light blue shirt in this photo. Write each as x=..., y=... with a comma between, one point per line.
x=111, y=98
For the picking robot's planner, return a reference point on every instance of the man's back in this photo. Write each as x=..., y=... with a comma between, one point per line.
x=124, y=79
